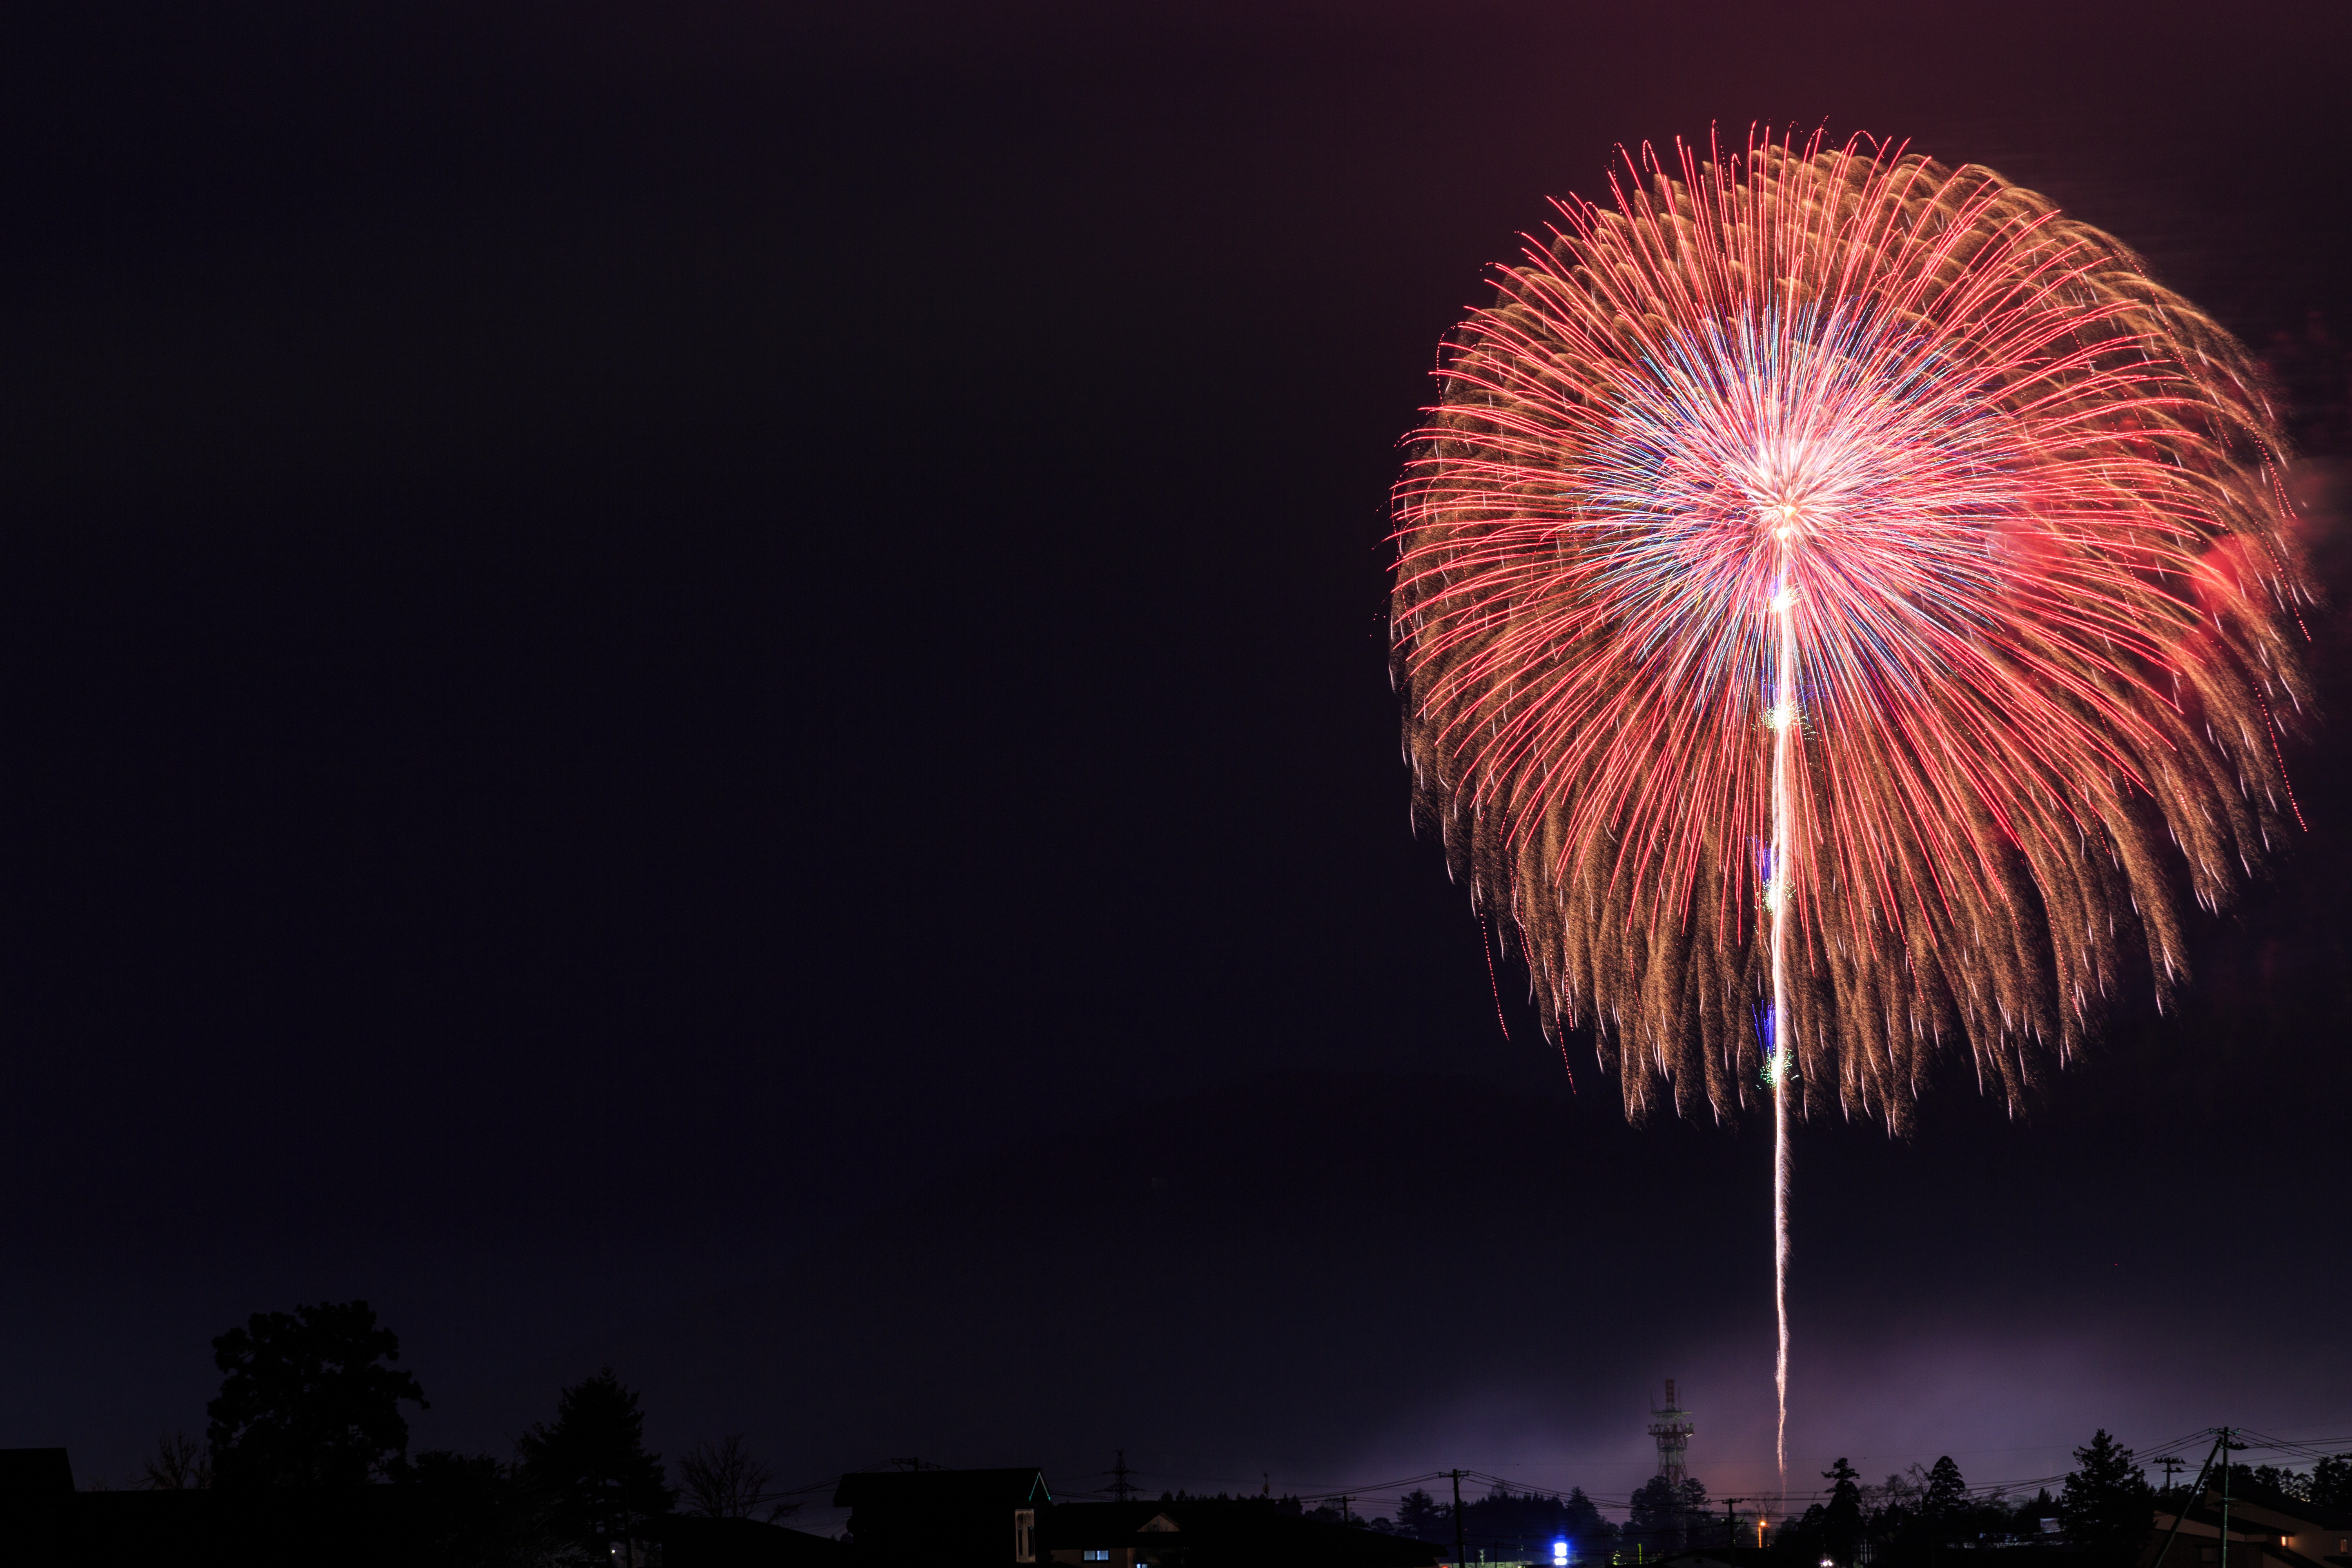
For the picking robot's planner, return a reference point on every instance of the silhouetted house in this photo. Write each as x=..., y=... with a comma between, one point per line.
x=44, y=1521
x=35, y=1473
x=1215, y=1532
x=943, y=1519
x=2267, y=1530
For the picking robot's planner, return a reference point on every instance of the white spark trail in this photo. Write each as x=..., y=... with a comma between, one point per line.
x=1784, y=730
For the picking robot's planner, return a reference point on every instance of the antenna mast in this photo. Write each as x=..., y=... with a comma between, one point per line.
x=1671, y=1428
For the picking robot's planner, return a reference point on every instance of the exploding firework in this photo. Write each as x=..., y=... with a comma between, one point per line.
x=1840, y=603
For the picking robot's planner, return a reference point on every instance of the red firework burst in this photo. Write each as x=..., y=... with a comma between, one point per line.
x=1827, y=555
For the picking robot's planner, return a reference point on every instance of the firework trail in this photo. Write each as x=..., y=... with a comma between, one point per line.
x=1839, y=597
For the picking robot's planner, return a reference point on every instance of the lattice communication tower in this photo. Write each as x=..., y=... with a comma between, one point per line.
x=1671, y=1428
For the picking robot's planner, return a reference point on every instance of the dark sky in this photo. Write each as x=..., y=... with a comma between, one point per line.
x=705, y=686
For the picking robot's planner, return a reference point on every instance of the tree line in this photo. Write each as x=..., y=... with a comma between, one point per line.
x=2104, y=1512
x=312, y=1398
x=1507, y=1523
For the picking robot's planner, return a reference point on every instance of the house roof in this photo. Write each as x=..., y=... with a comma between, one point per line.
x=35, y=1472
x=2207, y=1510
x=691, y=1542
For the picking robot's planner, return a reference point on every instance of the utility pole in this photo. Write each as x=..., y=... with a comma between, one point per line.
x=2226, y=1446
x=1343, y=1507
x=2196, y=1492
x=1458, y=1558
x=1730, y=1525
x=2171, y=1465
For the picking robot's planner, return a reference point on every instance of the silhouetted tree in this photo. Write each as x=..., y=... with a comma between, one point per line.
x=1918, y=1511
x=1581, y=1522
x=1424, y=1517
x=2107, y=1507
x=1665, y=1511
x=1944, y=1499
x=178, y=1464
x=2256, y=1479
x=471, y=1512
x=722, y=1480
x=307, y=1400
x=589, y=1470
x=2331, y=1482
x=1505, y=1523
x=1801, y=1535
x=1891, y=1526
x=1840, y=1520
x=1656, y=1510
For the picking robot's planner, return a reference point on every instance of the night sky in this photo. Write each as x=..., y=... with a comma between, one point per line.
x=705, y=687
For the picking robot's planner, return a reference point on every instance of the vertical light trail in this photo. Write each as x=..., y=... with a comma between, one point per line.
x=1784, y=731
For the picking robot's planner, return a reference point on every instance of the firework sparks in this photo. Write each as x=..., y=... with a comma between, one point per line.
x=1838, y=597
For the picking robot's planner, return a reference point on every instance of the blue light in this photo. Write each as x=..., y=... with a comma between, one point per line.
x=1559, y=1553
